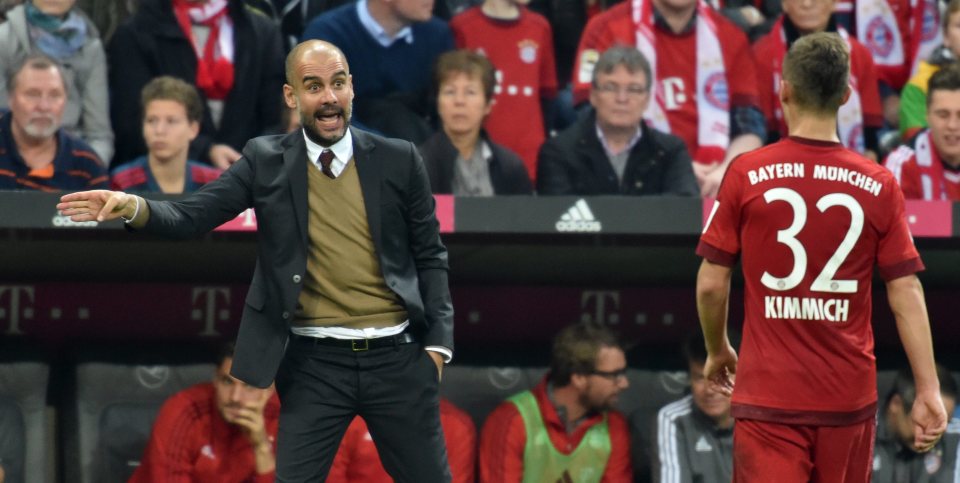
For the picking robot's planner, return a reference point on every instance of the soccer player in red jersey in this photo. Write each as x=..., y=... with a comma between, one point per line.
x=810, y=219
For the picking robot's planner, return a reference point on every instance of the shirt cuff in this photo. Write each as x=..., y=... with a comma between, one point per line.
x=446, y=353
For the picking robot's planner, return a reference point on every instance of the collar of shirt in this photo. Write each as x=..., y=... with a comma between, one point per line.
x=633, y=141
x=342, y=152
x=376, y=31
x=661, y=22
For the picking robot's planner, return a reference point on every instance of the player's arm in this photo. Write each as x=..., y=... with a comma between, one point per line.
x=502, y=442
x=619, y=467
x=905, y=295
x=713, y=299
x=103, y=205
x=171, y=451
x=671, y=462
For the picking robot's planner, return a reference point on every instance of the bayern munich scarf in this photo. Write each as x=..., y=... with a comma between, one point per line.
x=215, y=59
x=850, y=116
x=713, y=116
x=927, y=33
x=878, y=30
x=932, y=174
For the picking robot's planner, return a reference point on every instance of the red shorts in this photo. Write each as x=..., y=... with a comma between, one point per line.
x=784, y=453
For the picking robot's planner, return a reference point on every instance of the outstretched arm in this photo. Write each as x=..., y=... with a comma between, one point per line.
x=713, y=297
x=103, y=205
x=905, y=295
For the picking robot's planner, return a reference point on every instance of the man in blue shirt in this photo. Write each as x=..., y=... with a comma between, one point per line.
x=35, y=153
x=392, y=46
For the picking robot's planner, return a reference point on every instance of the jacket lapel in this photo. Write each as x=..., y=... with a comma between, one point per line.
x=590, y=150
x=295, y=164
x=369, y=169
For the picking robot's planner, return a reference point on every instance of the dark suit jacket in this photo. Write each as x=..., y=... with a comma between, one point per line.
x=151, y=44
x=507, y=173
x=272, y=177
x=575, y=163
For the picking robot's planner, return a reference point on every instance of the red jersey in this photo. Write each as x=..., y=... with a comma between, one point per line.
x=770, y=51
x=357, y=460
x=675, y=70
x=921, y=173
x=504, y=438
x=521, y=49
x=809, y=219
x=191, y=443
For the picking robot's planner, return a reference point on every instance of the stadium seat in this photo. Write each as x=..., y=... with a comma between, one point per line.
x=24, y=437
x=115, y=408
x=479, y=389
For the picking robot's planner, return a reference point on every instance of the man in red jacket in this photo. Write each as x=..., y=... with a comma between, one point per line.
x=219, y=432
x=357, y=460
x=564, y=429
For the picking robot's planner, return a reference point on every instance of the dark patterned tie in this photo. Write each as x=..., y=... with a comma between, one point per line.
x=326, y=157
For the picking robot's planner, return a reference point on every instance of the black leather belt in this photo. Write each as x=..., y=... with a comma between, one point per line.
x=356, y=345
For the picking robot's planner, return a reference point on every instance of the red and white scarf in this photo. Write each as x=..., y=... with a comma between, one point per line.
x=215, y=59
x=713, y=108
x=932, y=174
x=878, y=30
x=927, y=31
x=850, y=116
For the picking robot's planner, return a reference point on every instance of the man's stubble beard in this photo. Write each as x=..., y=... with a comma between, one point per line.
x=312, y=133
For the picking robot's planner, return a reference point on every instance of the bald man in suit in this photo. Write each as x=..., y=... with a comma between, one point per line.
x=349, y=308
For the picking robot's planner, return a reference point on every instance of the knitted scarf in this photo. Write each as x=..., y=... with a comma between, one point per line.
x=713, y=116
x=215, y=58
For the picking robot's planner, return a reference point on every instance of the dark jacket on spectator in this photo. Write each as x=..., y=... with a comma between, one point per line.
x=575, y=163
x=507, y=173
x=151, y=44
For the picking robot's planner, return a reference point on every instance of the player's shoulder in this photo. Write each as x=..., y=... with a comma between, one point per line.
x=617, y=420
x=534, y=19
x=453, y=414
x=674, y=410
x=761, y=155
x=869, y=167
x=192, y=402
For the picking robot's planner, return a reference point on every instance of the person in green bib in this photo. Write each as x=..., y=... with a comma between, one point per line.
x=564, y=429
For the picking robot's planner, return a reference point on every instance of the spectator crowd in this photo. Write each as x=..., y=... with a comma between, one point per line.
x=502, y=97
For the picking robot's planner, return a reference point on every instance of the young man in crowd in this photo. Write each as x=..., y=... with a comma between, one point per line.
x=928, y=167
x=810, y=220
x=172, y=111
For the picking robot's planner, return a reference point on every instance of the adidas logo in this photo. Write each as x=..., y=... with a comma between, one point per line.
x=703, y=446
x=579, y=218
x=61, y=221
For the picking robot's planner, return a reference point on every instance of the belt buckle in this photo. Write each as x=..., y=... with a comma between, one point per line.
x=359, y=345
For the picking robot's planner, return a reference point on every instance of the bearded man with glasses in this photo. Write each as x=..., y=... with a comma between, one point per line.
x=565, y=428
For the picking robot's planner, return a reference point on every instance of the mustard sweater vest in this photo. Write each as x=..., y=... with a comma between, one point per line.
x=344, y=286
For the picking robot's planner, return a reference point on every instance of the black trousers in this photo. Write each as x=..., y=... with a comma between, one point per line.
x=394, y=389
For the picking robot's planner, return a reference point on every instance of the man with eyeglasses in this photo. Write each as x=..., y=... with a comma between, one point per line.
x=565, y=428
x=703, y=87
x=694, y=435
x=611, y=150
